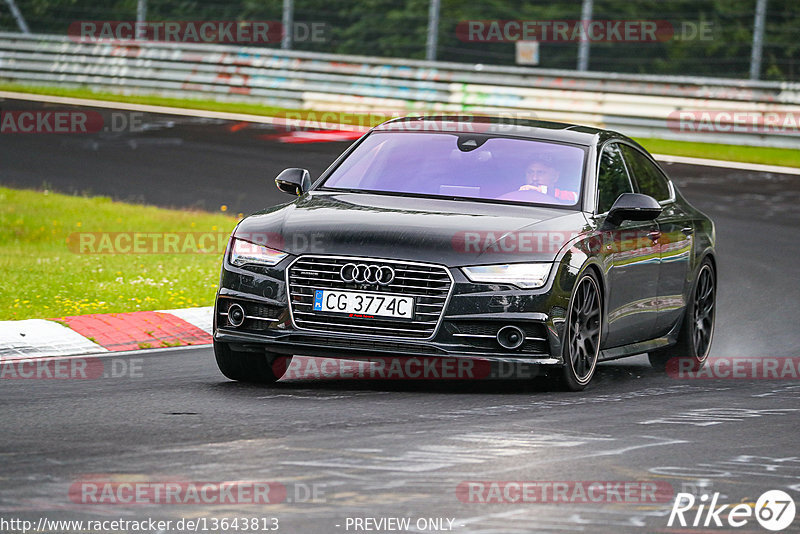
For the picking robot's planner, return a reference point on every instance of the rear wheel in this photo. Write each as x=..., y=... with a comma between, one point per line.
x=255, y=367
x=581, y=345
x=697, y=330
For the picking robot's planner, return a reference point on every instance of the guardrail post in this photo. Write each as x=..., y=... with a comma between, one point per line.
x=23, y=26
x=433, y=30
x=583, y=46
x=141, y=17
x=758, y=39
x=288, y=22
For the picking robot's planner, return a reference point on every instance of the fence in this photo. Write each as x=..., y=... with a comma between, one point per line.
x=707, y=38
x=718, y=110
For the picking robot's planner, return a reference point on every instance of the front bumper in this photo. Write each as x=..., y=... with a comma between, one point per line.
x=345, y=347
x=473, y=315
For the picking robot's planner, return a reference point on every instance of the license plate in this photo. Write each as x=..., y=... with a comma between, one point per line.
x=363, y=304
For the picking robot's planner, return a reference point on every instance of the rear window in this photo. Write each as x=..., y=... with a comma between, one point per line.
x=464, y=166
x=647, y=176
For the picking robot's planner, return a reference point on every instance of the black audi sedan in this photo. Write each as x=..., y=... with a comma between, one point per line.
x=472, y=238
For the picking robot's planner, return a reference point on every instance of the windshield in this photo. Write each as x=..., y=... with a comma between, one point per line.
x=464, y=165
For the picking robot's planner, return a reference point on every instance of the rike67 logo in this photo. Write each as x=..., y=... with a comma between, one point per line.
x=774, y=510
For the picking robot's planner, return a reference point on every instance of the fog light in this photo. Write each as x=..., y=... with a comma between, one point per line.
x=510, y=337
x=235, y=315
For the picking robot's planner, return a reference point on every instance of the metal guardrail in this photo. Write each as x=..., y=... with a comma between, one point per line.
x=638, y=105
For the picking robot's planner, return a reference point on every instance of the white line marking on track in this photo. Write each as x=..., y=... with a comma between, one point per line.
x=758, y=167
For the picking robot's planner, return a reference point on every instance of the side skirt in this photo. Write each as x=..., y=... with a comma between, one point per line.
x=644, y=346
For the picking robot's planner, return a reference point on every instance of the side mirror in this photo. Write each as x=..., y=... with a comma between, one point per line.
x=633, y=207
x=294, y=181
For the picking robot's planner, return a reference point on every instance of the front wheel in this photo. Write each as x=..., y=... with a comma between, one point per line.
x=255, y=367
x=581, y=345
x=697, y=330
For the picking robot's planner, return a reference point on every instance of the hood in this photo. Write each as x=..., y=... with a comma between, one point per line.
x=446, y=231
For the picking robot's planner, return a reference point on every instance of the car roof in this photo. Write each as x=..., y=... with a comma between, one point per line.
x=498, y=125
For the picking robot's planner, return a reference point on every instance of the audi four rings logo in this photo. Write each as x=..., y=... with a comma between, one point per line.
x=367, y=274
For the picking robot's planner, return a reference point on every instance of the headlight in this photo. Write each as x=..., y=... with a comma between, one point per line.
x=522, y=275
x=243, y=252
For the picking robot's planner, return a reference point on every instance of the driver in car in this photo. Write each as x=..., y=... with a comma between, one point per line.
x=542, y=177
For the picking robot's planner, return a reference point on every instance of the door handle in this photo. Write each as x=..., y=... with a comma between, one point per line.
x=687, y=230
x=654, y=235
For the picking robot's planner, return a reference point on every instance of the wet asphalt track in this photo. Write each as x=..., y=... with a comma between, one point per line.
x=400, y=449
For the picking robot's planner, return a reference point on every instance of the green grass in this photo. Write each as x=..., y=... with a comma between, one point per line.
x=44, y=276
x=771, y=156
x=746, y=154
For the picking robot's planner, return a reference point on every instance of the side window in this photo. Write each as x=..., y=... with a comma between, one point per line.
x=612, y=179
x=647, y=176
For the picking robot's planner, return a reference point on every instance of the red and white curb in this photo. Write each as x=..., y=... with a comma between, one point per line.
x=313, y=136
x=107, y=332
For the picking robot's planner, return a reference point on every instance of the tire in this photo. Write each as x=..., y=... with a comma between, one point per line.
x=697, y=330
x=250, y=367
x=582, y=333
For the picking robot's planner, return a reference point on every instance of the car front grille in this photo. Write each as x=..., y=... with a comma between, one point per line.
x=430, y=286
